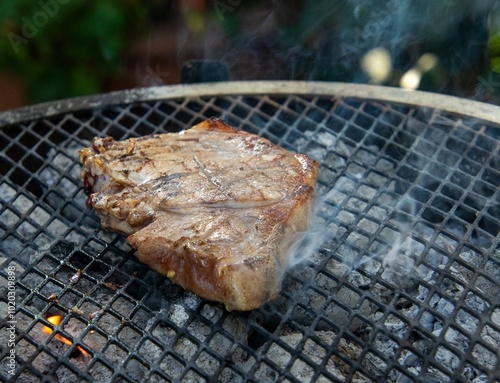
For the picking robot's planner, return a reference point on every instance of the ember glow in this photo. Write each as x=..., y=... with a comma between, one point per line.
x=56, y=320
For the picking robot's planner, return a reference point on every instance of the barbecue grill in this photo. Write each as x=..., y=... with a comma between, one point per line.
x=400, y=284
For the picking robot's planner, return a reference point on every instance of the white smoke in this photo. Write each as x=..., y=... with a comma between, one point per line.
x=389, y=235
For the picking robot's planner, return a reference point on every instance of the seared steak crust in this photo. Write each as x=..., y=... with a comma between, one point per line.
x=212, y=208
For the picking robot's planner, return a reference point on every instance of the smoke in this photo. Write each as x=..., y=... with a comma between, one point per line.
x=327, y=41
x=320, y=231
x=342, y=226
x=397, y=212
x=324, y=41
x=323, y=229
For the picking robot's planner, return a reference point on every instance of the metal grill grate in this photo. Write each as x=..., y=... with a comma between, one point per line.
x=403, y=288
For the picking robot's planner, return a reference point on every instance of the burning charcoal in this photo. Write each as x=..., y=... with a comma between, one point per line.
x=56, y=320
x=401, y=286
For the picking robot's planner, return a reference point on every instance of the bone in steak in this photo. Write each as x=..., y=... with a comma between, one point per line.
x=214, y=209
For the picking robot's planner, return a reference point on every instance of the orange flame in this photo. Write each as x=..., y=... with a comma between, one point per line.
x=55, y=320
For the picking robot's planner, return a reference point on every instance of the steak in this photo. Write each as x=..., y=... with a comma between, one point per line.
x=214, y=209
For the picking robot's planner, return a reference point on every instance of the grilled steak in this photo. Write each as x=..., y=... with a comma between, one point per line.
x=212, y=208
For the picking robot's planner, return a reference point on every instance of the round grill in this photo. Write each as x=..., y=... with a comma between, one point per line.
x=402, y=286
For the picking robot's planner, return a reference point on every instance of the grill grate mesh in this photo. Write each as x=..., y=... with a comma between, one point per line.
x=404, y=286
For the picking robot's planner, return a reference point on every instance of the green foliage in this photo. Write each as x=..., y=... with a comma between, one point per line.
x=494, y=51
x=66, y=48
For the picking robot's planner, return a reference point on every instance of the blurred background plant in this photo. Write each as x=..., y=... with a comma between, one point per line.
x=494, y=48
x=60, y=49
x=90, y=46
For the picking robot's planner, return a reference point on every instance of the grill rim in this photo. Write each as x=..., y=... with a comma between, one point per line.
x=442, y=102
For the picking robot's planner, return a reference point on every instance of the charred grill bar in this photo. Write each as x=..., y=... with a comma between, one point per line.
x=403, y=287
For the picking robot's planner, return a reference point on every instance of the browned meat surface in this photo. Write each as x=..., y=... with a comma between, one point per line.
x=212, y=208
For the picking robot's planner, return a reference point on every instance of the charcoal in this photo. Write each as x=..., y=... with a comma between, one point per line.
x=397, y=280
